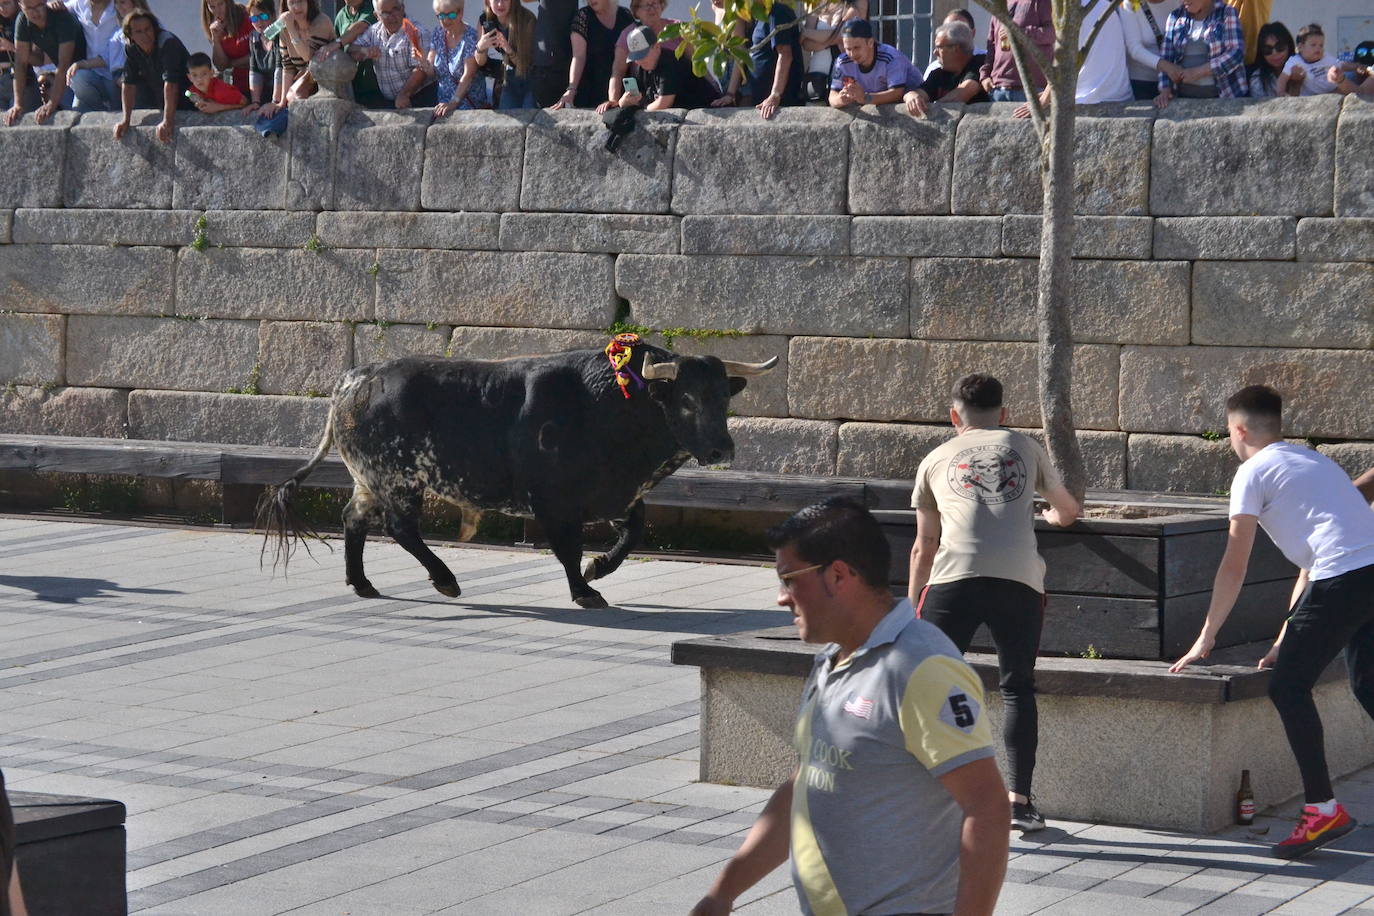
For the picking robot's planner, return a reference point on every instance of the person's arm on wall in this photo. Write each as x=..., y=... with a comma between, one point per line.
x=764, y=849
x=923, y=550
x=1063, y=510
x=127, y=96
x=1225, y=587
x=575, y=71
x=781, y=67
x=616, y=86
x=978, y=789
x=21, y=80
x=170, y=93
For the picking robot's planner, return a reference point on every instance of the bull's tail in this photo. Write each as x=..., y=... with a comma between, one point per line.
x=281, y=527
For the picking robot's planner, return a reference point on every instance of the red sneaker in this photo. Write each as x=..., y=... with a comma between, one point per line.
x=1315, y=829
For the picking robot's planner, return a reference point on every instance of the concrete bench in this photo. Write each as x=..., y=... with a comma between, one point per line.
x=1121, y=741
x=70, y=852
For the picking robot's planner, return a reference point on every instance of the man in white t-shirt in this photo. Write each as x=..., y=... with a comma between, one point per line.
x=974, y=560
x=1315, y=515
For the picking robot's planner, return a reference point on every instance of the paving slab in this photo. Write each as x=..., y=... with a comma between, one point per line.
x=280, y=741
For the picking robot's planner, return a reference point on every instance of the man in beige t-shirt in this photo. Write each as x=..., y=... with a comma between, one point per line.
x=975, y=562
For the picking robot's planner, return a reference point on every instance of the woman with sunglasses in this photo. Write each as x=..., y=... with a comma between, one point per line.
x=452, y=45
x=1273, y=48
x=226, y=24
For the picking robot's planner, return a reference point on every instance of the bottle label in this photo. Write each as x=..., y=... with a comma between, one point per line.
x=1246, y=809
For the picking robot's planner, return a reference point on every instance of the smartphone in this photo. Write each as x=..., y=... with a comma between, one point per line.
x=631, y=85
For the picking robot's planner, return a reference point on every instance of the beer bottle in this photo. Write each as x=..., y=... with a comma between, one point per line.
x=1245, y=800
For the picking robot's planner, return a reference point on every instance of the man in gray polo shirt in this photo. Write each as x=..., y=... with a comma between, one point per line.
x=897, y=806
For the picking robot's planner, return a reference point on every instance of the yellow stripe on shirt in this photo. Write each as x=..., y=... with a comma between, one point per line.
x=816, y=881
x=932, y=712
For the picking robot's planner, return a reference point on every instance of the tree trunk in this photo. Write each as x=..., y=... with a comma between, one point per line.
x=1054, y=290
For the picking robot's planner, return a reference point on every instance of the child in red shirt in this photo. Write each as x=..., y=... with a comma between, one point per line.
x=209, y=93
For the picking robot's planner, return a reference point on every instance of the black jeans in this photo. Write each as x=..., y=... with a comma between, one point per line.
x=1015, y=614
x=1332, y=614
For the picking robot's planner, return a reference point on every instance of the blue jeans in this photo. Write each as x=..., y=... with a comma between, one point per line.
x=1001, y=94
x=95, y=92
x=516, y=93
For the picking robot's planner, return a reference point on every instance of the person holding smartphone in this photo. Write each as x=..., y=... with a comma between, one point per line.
x=668, y=79
x=507, y=40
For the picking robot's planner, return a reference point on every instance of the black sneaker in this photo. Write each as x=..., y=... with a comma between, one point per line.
x=1027, y=817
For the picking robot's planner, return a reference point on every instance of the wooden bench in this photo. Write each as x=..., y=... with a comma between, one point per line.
x=1121, y=741
x=243, y=469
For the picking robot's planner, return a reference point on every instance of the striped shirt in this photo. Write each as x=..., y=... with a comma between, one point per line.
x=1225, y=48
x=889, y=71
x=873, y=830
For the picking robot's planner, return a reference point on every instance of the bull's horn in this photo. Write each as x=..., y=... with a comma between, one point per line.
x=665, y=371
x=746, y=370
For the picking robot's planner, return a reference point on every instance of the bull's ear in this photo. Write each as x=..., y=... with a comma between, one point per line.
x=737, y=384
x=661, y=391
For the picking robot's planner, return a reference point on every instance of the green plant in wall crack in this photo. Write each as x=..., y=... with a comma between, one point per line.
x=375, y=268
x=252, y=386
x=1211, y=435
x=201, y=240
x=1090, y=652
x=314, y=244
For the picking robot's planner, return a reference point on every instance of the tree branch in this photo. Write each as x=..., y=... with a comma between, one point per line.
x=1017, y=35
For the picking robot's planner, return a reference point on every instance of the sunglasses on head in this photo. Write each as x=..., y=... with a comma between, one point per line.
x=454, y=15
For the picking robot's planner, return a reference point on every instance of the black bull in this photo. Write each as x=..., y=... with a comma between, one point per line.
x=546, y=437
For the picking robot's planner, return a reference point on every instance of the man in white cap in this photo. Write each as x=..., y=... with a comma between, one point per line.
x=668, y=80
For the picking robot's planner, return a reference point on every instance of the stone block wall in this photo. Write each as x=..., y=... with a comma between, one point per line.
x=145, y=287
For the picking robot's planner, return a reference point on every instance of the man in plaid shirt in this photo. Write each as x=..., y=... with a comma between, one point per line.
x=1204, y=38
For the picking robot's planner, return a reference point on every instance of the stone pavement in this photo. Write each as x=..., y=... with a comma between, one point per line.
x=284, y=747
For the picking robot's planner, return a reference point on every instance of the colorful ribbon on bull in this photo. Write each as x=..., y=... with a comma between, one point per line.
x=619, y=351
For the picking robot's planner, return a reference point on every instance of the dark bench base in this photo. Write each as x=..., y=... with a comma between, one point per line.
x=71, y=854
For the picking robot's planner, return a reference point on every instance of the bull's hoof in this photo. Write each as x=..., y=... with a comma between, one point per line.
x=365, y=590
x=592, y=569
x=591, y=602
x=450, y=589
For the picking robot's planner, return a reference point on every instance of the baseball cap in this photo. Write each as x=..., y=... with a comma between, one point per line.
x=640, y=42
x=857, y=28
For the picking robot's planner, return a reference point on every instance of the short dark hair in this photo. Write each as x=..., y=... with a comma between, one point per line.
x=977, y=392
x=962, y=14
x=199, y=59
x=856, y=28
x=1308, y=31
x=1261, y=405
x=837, y=529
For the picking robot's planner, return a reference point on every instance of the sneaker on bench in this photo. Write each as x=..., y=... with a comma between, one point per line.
x=1315, y=830
x=1027, y=817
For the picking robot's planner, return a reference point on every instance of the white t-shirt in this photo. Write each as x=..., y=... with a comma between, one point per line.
x=1103, y=76
x=1308, y=507
x=1316, y=82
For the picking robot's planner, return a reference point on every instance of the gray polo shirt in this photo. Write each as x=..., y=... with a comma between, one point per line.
x=873, y=830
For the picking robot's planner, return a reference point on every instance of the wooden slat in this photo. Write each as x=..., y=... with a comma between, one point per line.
x=110, y=456
x=273, y=469
x=748, y=490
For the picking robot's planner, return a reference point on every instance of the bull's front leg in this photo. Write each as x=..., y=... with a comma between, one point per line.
x=565, y=537
x=628, y=534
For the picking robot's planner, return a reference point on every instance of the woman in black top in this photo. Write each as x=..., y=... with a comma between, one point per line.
x=595, y=29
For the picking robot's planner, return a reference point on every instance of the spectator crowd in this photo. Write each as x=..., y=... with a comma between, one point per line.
x=114, y=55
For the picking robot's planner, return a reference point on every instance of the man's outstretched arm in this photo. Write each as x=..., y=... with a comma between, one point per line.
x=764, y=849
x=1225, y=587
